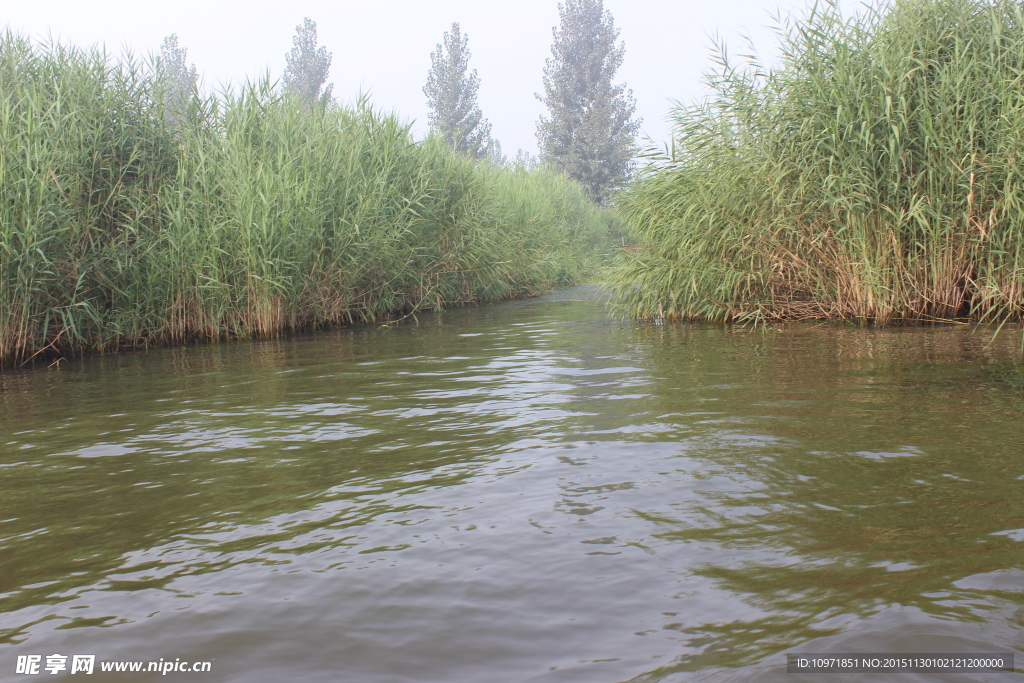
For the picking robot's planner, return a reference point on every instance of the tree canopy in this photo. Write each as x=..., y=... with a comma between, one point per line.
x=589, y=132
x=178, y=78
x=308, y=65
x=451, y=94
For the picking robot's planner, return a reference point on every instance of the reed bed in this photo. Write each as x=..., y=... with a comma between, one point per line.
x=875, y=176
x=244, y=214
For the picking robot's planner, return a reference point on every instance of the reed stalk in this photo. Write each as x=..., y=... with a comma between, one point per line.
x=246, y=213
x=875, y=176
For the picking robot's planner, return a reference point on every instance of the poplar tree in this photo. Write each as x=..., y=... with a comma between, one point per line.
x=589, y=132
x=178, y=79
x=451, y=95
x=308, y=65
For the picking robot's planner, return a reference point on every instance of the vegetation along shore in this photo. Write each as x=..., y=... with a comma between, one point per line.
x=875, y=175
x=137, y=212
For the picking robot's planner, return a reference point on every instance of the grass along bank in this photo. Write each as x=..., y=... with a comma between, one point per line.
x=125, y=222
x=876, y=175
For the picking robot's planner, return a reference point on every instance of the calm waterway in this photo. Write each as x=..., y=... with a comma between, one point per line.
x=526, y=491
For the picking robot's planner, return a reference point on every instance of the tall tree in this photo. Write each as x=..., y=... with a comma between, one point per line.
x=451, y=95
x=589, y=132
x=179, y=79
x=308, y=65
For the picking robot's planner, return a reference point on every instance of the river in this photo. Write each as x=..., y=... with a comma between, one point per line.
x=524, y=491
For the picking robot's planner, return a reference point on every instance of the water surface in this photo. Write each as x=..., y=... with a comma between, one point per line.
x=528, y=491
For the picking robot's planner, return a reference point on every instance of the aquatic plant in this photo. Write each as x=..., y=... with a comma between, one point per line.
x=252, y=214
x=874, y=176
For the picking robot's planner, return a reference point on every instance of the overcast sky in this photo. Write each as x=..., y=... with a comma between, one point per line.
x=383, y=46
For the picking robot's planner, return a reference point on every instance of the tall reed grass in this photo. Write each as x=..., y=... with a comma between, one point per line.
x=876, y=175
x=244, y=213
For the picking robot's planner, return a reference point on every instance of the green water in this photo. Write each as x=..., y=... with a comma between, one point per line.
x=528, y=491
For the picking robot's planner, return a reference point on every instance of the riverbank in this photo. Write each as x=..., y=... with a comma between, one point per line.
x=128, y=222
x=873, y=176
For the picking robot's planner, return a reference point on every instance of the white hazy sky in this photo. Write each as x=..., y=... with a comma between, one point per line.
x=383, y=47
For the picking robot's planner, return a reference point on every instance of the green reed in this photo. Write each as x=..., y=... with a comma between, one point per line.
x=245, y=213
x=874, y=176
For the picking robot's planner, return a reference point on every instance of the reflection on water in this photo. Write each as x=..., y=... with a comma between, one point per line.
x=524, y=491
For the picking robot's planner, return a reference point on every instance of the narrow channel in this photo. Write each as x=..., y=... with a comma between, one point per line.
x=524, y=491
